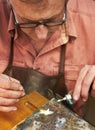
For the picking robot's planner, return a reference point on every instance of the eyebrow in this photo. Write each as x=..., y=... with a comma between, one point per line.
x=51, y=18
x=28, y=1
x=36, y=20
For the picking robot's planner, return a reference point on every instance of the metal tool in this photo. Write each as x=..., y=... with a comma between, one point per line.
x=68, y=98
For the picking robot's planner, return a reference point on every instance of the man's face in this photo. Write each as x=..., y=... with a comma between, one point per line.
x=45, y=10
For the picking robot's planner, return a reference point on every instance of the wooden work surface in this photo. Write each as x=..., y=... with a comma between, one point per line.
x=26, y=106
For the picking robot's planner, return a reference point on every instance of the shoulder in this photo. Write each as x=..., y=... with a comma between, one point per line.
x=5, y=6
x=4, y=1
x=4, y=22
x=82, y=6
x=5, y=10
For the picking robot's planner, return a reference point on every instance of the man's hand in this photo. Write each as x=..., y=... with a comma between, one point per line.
x=10, y=93
x=85, y=82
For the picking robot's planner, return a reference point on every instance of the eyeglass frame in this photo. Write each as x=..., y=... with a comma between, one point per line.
x=37, y=23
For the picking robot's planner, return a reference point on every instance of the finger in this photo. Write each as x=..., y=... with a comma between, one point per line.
x=4, y=81
x=7, y=82
x=11, y=94
x=86, y=84
x=78, y=107
x=8, y=109
x=7, y=102
x=93, y=89
x=78, y=86
x=4, y=77
x=15, y=86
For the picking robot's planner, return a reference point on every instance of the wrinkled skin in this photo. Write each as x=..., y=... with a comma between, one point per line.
x=85, y=85
x=10, y=92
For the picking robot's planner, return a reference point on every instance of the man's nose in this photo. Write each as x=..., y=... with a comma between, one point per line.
x=41, y=31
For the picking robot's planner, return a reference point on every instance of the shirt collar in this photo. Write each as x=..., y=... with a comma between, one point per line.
x=61, y=36
x=12, y=27
x=70, y=25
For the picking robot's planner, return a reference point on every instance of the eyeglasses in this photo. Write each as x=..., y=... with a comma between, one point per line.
x=33, y=24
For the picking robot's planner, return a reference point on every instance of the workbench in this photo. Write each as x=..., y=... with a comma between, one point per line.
x=26, y=106
x=30, y=113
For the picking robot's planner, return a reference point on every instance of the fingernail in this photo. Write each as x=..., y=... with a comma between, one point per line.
x=84, y=100
x=14, y=108
x=23, y=93
x=75, y=97
x=17, y=100
x=20, y=88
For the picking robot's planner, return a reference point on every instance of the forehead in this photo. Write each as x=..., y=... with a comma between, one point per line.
x=40, y=10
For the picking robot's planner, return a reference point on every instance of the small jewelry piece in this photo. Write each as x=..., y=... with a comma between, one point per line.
x=45, y=112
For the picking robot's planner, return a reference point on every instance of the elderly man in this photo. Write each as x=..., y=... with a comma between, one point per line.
x=43, y=41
